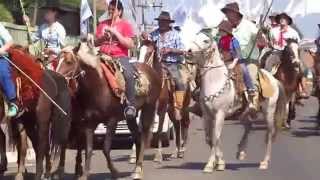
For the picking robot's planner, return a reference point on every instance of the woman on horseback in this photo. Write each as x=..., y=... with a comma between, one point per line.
x=229, y=48
x=6, y=81
x=114, y=36
x=52, y=33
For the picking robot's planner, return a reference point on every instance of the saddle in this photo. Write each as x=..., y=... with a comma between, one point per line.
x=237, y=77
x=185, y=72
x=265, y=88
x=113, y=73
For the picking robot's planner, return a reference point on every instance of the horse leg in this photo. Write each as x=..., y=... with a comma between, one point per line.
x=242, y=147
x=78, y=166
x=133, y=157
x=146, y=119
x=59, y=172
x=318, y=116
x=89, y=152
x=22, y=151
x=111, y=127
x=43, y=111
x=184, y=131
x=208, y=127
x=158, y=155
x=271, y=130
x=3, y=156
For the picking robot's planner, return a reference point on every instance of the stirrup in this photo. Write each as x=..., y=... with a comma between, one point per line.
x=12, y=110
x=130, y=112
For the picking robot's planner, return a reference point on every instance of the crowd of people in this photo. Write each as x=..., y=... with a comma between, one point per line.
x=237, y=44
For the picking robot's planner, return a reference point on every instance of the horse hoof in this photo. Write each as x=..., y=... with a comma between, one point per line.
x=208, y=169
x=83, y=178
x=241, y=155
x=264, y=165
x=138, y=174
x=221, y=166
x=132, y=160
x=158, y=158
x=180, y=155
x=19, y=176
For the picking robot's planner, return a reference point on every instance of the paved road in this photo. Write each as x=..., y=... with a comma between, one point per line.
x=296, y=155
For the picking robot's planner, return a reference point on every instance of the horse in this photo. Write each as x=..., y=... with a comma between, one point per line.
x=288, y=73
x=218, y=99
x=46, y=126
x=100, y=105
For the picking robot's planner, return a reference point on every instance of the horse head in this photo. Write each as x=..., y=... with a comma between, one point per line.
x=203, y=49
x=290, y=54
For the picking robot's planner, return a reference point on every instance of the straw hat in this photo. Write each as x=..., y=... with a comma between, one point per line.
x=234, y=7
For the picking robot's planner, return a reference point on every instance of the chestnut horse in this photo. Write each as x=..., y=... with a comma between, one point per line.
x=98, y=104
x=166, y=104
x=46, y=126
x=288, y=73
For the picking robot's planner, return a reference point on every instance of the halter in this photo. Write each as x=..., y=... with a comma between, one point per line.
x=76, y=72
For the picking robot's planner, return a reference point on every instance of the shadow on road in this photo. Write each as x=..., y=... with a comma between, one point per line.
x=30, y=176
x=200, y=166
x=305, y=132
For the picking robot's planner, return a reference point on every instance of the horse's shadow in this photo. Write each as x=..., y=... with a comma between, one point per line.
x=67, y=176
x=304, y=132
x=200, y=165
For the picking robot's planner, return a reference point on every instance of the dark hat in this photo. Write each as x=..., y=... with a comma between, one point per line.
x=232, y=7
x=54, y=5
x=164, y=16
x=226, y=26
x=273, y=15
x=284, y=15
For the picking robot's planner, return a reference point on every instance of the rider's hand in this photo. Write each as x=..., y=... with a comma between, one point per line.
x=144, y=36
x=2, y=52
x=109, y=30
x=165, y=51
x=26, y=19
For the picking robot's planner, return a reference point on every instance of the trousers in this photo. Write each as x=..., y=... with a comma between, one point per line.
x=128, y=74
x=6, y=81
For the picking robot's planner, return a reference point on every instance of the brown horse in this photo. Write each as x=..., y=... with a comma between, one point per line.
x=288, y=73
x=98, y=104
x=166, y=104
x=46, y=126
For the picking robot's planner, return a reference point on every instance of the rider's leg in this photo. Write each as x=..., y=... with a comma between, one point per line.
x=8, y=87
x=253, y=72
x=130, y=110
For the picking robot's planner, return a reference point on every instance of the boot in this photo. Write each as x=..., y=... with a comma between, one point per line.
x=195, y=109
x=253, y=98
x=13, y=110
x=178, y=103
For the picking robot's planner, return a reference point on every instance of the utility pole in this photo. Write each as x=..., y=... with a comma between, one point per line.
x=143, y=4
x=94, y=7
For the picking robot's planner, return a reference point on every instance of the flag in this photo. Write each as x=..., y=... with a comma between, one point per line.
x=85, y=14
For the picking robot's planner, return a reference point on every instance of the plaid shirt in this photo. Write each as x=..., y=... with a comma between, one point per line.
x=171, y=39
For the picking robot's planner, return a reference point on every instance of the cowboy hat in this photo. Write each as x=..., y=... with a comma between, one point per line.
x=234, y=7
x=225, y=26
x=285, y=16
x=53, y=5
x=273, y=15
x=164, y=16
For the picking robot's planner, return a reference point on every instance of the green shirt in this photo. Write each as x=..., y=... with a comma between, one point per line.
x=5, y=36
x=246, y=33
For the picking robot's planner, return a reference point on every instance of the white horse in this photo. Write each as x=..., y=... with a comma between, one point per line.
x=217, y=101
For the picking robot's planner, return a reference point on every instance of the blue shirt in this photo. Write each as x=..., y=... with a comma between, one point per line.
x=170, y=39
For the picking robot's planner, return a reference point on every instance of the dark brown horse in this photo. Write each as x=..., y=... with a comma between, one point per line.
x=166, y=104
x=98, y=104
x=289, y=74
x=46, y=126
x=315, y=57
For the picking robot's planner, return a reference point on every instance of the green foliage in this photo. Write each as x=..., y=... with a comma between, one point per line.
x=5, y=14
x=73, y=3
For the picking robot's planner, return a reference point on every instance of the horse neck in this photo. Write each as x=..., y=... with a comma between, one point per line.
x=215, y=71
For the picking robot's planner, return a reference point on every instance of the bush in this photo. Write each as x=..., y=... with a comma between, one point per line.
x=5, y=15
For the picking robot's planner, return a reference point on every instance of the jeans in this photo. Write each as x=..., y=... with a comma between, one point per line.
x=6, y=82
x=129, y=78
x=246, y=76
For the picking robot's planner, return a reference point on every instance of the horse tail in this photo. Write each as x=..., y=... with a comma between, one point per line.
x=60, y=123
x=280, y=113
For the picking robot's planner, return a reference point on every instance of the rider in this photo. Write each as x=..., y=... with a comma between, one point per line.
x=245, y=32
x=6, y=81
x=171, y=50
x=52, y=33
x=230, y=51
x=114, y=36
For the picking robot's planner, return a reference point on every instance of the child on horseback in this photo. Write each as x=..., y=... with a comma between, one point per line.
x=6, y=81
x=114, y=36
x=229, y=48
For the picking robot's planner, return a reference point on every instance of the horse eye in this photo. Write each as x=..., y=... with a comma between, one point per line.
x=206, y=41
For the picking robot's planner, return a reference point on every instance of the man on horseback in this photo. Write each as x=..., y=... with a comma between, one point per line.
x=6, y=81
x=230, y=50
x=114, y=36
x=170, y=51
x=52, y=33
x=245, y=31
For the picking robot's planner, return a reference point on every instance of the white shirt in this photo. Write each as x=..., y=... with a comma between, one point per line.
x=53, y=35
x=290, y=33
